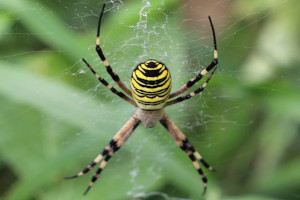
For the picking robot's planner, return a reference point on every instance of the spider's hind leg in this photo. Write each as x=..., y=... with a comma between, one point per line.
x=184, y=144
x=105, y=151
x=187, y=146
x=100, y=168
x=118, y=140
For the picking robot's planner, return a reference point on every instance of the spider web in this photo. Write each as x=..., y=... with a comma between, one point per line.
x=181, y=39
x=147, y=39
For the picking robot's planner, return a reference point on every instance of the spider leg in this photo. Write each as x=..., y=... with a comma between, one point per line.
x=113, y=75
x=213, y=63
x=100, y=156
x=119, y=139
x=197, y=91
x=120, y=94
x=187, y=146
x=184, y=144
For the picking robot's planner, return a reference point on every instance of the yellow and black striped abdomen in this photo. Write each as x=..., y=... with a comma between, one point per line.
x=151, y=85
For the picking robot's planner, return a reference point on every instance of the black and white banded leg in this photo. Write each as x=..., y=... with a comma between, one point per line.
x=184, y=144
x=99, y=157
x=113, y=75
x=111, y=88
x=213, y=63
x=115, y=144
x=187, y=146
x=197, y=91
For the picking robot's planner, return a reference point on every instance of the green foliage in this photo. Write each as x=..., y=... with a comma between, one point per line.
x=52, y=124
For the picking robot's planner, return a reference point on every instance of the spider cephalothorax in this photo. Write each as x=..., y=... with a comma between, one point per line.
x=150, y=93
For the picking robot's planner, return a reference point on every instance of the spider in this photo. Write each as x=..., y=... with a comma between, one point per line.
x=150, y=93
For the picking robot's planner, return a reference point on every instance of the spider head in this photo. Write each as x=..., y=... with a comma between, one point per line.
x=150, y=85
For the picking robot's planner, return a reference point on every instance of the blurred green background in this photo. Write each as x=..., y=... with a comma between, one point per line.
x=55, y=117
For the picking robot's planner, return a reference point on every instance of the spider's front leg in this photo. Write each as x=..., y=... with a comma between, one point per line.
x=191, y=94
x=118, y=140
x=211, y=66
x=186, y=146
x=111, y=88
x=113, y=75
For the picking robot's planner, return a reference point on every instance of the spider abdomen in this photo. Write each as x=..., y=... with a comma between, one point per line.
x=151, y=85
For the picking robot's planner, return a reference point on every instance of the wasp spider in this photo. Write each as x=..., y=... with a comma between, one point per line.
x=150, y=92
